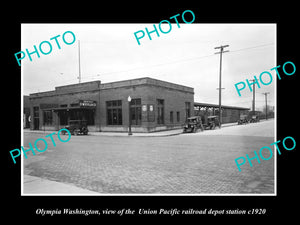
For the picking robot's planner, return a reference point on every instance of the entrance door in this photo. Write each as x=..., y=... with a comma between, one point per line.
x=36, y=118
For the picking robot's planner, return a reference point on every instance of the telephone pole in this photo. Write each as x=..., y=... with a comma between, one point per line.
x=266, y=98
x=79, y=77
x=220, y=79
x=253, y=101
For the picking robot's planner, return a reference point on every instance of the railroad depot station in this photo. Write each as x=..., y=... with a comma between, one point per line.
x=153, y=105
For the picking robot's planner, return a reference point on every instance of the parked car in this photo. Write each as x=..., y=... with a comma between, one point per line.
x=210, y=122
x=254, y=119
x=243, y=119
x=77, y=127
x=193, y=124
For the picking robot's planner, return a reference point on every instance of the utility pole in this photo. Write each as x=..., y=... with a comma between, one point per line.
x=220, y=78
x=266, y=93
x=253, y=101
x=79, y=77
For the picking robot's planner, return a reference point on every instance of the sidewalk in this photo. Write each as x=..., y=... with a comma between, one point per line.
x=36, y=185
x=118, y=134
x=152, y=134
x=124, y=134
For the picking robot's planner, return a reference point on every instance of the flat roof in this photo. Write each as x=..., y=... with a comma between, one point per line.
x=146, y=81
x=217, y=106
x=96, y=85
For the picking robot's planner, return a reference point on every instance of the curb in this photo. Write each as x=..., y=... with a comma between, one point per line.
x=113, y=134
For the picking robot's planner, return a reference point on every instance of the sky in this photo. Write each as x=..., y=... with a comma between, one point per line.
x=185, y=55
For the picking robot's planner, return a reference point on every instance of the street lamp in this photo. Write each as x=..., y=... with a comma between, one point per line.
x=129, y=100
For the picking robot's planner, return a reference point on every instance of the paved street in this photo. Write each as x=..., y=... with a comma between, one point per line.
x=199, y=163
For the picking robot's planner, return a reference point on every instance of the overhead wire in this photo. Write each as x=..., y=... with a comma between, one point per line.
x=160, y=64
x=184, y=60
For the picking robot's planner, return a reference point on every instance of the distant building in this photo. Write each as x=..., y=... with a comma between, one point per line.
x=155, y=105
x=230, y=114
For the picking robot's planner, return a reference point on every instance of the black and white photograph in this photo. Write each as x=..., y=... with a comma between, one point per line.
x=150, y=111
x=182, y=113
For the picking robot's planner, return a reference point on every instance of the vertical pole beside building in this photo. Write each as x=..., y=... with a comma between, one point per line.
x=253, y=104
x=253, y=101
x=266, y=98
x=79, y=77
x=220, y=80
x=99, y=106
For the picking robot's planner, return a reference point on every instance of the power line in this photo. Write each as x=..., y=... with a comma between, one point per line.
x=253, y=47
x=172, y=62
x=155, y=65
x=184, y=60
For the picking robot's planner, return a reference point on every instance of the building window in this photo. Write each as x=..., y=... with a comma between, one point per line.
x=160, y=111
x=89, y=116
x=171, y=117
x=47, y=117
x=63, y=117
x=178, y=116
x=187, y=110
x=75, y=115
x=74, y=105
x=114, y=112
x=136, y=111
x=36, y=112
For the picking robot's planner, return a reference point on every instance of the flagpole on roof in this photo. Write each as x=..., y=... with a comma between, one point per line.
x=79, y=77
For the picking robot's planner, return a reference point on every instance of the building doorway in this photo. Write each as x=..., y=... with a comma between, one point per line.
x=36, y=118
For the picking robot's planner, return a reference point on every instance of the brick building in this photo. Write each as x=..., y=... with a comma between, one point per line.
x=155, y=105
x=26, y=112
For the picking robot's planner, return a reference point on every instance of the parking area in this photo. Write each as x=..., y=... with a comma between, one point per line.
x=199, y=163
x=265, y=128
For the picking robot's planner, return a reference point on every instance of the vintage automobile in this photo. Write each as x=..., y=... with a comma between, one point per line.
x=193, y=124
x=210, y=122
x=254, y=119
x=243, y=119
x=77, y=127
